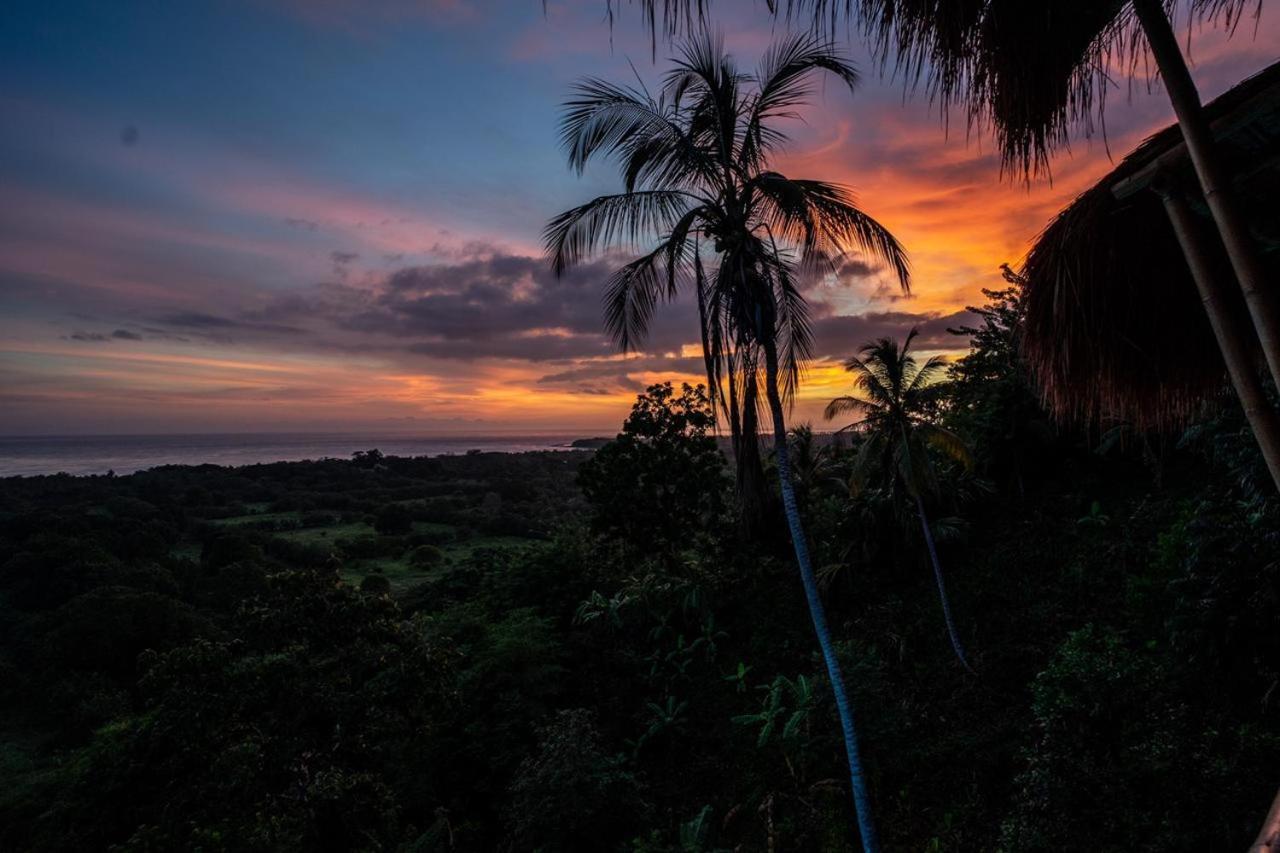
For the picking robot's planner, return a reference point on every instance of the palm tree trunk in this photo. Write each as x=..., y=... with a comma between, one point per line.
x=1264, y=306
x=861, y=799
x=942, y=587
x=1232, y=339
x=751, y=483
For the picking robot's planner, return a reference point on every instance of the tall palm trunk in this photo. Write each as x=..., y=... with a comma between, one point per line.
x=861, y=799
x=752, y=493
x=942, y=587
x=1263, y=301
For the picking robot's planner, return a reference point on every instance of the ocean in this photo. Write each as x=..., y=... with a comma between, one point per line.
x=125, y=454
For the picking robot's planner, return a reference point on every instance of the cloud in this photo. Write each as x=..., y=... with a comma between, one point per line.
x=487, y=305
x=197, y=321
x=126, y=335
x=838, y=337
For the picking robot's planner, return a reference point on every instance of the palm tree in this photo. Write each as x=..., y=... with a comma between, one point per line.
x=811, y=463
x=695, y=162
x=896, y=407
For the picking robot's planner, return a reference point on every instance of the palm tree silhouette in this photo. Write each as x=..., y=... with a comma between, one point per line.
x=695, y=163
x=896, y=417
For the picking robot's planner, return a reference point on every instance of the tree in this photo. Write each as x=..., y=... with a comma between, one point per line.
x=662, y=470
x=308, y=727
x=393, y=520
x=696, y=165
x=990, y=398
x=898, y=422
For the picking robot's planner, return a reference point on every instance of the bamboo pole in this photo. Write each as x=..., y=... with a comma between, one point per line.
x=1232, y=335
x=1262, y=300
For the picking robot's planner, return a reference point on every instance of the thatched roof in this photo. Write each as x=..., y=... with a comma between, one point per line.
x=1115, y=328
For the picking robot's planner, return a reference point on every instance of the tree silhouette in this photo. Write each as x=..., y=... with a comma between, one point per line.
x=896, y=417
x=696, y=168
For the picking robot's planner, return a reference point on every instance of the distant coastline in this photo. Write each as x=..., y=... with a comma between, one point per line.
x=126, y=454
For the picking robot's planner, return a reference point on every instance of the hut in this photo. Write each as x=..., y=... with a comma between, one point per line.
x=1133, y=312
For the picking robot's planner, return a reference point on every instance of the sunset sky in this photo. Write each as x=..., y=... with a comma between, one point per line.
x=325, y=214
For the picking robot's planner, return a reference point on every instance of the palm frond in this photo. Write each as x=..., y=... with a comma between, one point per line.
x=784, y=79
x=601, y=118
x=926, y=374
x=704, y=74
x=843, y=406
x=796, y=331
x=870, y=377
x=631, y=294
x=869, y=455
x=824, y=217
x=914, y=466
x=626, y=218
x=947, y=443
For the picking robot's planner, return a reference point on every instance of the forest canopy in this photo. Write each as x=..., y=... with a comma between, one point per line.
x=585, y=650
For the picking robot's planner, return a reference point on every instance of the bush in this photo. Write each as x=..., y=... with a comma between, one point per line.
x=425, y=556
x=227, y=548
x=376, y=584
x=393, y=520
x=571, y=794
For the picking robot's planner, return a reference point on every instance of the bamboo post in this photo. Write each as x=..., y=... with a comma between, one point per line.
x=1263, y=301
x=1232, y=335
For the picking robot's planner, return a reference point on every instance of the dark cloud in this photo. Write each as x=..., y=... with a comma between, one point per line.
x=342, y=261
x=839, y=337
x=304, y=224
x=163, y=335
x=492, y=305
x=197, y=321
x=849, y=268
x=103, y=337
x=129, y=135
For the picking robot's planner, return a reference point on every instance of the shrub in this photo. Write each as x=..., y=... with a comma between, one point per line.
x=425, y=556
x=376, y=584
x=393, y=520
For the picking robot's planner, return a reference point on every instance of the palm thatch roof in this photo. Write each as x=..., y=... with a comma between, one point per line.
x=1115, y=329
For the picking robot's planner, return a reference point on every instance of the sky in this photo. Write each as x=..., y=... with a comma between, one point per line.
x=325, y=215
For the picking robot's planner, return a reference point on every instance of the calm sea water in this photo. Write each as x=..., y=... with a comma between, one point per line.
x=124, y=454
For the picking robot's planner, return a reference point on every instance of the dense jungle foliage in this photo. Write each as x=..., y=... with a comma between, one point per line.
x=587, y=652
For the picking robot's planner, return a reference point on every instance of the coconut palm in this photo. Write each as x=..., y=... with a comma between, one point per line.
x=699, y=191
x=812, y=463
x=895, y=407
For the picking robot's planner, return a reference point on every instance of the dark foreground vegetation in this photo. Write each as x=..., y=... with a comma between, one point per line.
x=585, y=651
